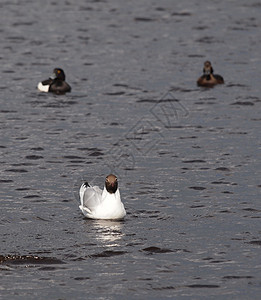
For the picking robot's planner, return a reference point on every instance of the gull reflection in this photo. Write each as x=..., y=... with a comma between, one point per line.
x=109, y=231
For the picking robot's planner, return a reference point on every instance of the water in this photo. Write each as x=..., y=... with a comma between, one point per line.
x=187, y=158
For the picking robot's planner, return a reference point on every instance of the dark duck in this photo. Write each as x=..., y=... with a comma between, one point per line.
x=55, y=83
x=209, y=79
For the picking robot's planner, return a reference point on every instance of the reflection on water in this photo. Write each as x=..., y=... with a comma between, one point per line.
x=109, y=232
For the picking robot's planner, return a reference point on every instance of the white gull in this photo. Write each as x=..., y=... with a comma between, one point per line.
x=98, y=204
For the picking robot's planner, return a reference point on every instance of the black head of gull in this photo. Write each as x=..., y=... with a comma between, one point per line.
x=111, y=183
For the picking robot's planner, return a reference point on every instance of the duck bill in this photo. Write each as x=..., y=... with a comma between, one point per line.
x=53, y=76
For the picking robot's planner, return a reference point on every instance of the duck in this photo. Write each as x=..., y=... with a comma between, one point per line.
x=102, y=204
x=209, y=79
x=55, y=83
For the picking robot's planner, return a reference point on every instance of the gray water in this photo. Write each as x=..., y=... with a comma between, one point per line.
x=187, y=158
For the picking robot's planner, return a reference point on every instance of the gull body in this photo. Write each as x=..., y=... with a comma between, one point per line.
x=102, y=204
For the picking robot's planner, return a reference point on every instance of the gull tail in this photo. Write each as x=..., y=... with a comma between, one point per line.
x=83, y=188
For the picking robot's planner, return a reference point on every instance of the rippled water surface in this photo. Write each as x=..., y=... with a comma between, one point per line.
x=187, y=158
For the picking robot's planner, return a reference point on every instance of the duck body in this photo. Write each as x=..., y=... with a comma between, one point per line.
x=101, y=204
x=55, y=84
x=209, y=79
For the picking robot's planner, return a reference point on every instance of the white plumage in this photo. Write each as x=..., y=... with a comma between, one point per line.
x=43, y=88
x=102, y=204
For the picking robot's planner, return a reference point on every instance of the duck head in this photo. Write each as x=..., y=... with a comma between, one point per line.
x=58, y=74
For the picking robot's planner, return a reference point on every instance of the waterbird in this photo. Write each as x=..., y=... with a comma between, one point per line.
x=55, y=83
x=102, y=204
x=209, y=79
